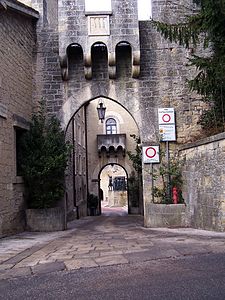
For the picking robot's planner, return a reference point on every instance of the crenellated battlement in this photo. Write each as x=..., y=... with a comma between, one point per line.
x=87, y=29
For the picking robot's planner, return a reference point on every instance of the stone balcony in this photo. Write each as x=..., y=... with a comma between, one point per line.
x=111, y=144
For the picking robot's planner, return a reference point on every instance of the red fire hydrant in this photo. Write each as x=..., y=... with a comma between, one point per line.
x=175, y=194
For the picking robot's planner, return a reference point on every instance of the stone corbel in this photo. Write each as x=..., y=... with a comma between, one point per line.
x=107, y=153
x=99, y=153
x=64, y=67
x=136, y=64
x=112, y=65
x=88, y=66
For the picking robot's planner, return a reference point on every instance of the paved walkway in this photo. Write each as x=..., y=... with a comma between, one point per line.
x=113, y=238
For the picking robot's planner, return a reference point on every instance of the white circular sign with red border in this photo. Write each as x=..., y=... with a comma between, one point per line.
x=150, y=154
x=166, y=116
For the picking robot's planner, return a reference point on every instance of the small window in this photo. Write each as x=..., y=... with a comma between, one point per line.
x=111, y=127
x=119, y=183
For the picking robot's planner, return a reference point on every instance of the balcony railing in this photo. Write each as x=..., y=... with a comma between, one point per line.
x=111, y=143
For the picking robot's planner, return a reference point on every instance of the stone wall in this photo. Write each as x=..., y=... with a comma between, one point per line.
x=17, y=42
x=165, y=215
x=204, y=182
x=49, y=219
x=47, y=78
x=76, y=180
x=163, y=83
x=163, y=70
x=163, y=76
x=162, y=80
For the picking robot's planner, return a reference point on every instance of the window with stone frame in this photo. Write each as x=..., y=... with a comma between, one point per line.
x=111, y=126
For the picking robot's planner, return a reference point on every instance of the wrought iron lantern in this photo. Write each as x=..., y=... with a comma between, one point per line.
x=101, y=110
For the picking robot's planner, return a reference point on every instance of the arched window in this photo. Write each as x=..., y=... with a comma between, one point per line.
x=111, y=127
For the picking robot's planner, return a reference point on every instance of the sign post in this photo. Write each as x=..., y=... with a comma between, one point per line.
x=167, y=131
x=150, y=155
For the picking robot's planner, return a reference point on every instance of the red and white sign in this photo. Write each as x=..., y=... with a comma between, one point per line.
x=150, y=154
x=166, y=116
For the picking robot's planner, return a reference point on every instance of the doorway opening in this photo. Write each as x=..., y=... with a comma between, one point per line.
x=113, y=190
x=99, y=167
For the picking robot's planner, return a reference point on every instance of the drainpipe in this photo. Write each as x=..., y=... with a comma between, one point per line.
x=86, y=147
x=74, y=183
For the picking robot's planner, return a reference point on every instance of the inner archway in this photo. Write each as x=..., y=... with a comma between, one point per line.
x=113, y=190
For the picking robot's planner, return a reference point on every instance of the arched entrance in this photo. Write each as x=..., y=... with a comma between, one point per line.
x=113, y=189
x=97, y=144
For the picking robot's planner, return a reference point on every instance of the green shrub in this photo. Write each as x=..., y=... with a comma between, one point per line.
x=43, y=158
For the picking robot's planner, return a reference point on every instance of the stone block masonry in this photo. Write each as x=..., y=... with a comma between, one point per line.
x=50, y=219
x=204, y=182
x=17, y=41
x=31, y=64
x=165, y=215
x=162, y=80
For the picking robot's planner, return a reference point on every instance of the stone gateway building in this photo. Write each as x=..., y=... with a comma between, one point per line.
x=77, y=58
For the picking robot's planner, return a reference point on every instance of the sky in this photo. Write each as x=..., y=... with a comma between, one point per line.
x=144, y=7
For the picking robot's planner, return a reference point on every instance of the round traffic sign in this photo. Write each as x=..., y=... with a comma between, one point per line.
x=150, y=152
x=166, y=118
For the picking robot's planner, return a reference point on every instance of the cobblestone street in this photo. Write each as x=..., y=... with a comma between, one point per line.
x=111, y=239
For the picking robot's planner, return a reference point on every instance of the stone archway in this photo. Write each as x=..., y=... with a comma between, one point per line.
x=95, y=148
x=76, y=102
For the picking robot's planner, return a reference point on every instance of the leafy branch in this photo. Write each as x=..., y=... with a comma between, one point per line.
x=161, y=175
x=207, y=27
x=43, y=158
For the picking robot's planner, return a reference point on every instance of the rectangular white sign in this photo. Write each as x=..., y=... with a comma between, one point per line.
x=150, y=154
x=167, y=133
x=166, y=116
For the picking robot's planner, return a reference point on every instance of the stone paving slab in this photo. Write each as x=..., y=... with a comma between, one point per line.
x=12, y=273
x=101, y=241
x=186, y=250
x=111, y=260
x=6, y=267
x=48, y=268
x=74, y=264
x=91, y=254
x=16, y=259
x=152, y=254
